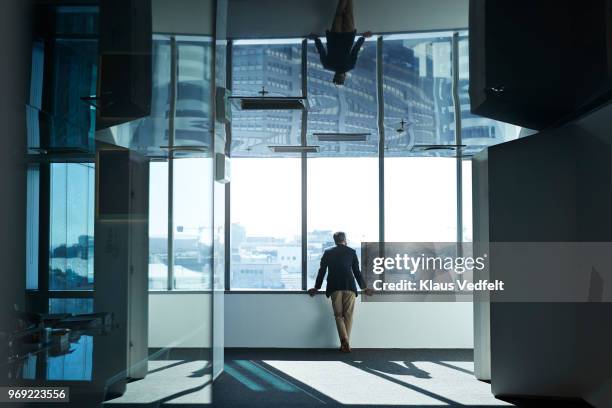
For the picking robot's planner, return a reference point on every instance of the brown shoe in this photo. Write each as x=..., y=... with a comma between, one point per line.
x=345, y=348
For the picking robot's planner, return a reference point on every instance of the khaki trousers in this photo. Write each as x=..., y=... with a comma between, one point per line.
x=343, y=303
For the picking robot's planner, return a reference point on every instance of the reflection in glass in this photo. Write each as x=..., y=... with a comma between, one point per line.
x=277, y=69
x=351, y=108
x=194, y=95
x=73, y=120
x=71, y=226
x=477, y=132
x=266, y=224
x=70, y=305
x=193, y=223
x=337, y=202
x=417, y=86
x=148, y=134
x=76, y=365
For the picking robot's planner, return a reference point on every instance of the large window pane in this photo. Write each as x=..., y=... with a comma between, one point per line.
x=194, y=95
x=74, y=56
x=351, y=108
x=277, y=68
x=193, y=223
x=420, y=199
x=342, y=196
x=266, y=224
x=417, y=92
x=71, y=226
x=158, y=225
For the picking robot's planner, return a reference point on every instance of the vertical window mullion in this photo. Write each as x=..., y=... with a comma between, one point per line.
x=381, y=139
x=304, y=169
x=228, y=151
x=171, y=134
x=457, y=107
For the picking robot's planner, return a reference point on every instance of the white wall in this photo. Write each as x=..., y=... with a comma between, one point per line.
x=180, y=319
x=183, y=16
x=298, y=321
x=297, y=18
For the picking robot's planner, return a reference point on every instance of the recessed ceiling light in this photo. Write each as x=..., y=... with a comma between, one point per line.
x=342, y=137
x=295, y=149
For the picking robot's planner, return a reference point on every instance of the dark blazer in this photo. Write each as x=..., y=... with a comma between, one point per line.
x=343, y=266
x=340, y=55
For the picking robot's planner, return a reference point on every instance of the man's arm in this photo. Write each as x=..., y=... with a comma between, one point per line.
x=322, y=271
x=320, y=276
x=357, y=272
x=358, y=276
x=322, y=51
x=355, y=51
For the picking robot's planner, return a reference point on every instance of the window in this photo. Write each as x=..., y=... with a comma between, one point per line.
x=342, y=182
x=265, y=224
x=466, y=194
x=420, y=199
x=70, y=305
x=158, y=226
x=192, y=166
x=417, y=83
x=337, y=201
x=71, y=226
x=351, y=108
x=276, y=70
x=193, y=223
x=193, y=106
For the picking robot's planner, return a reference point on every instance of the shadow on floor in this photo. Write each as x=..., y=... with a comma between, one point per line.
x=269, y=378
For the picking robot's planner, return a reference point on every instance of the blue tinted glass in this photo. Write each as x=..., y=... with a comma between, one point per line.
x=71, y=226
x=73, y=120
x=194, y=94
x=417, y=84
x=275, y=68
x=71, y=305
x=76, y=365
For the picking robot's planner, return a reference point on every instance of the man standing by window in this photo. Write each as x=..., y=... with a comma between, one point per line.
x=343, y=268
x=341, y=55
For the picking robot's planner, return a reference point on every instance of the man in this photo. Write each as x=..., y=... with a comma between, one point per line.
x=343, y=268
x=341, y=54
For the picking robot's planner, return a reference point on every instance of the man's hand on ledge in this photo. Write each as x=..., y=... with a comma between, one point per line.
x=368, y=291
x=312, y=291
x=368, y=34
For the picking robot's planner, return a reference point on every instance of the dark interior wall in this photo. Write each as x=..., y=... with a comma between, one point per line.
x=551, y=187
x=15, y=51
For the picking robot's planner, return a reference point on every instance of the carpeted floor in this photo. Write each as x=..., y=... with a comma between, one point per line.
x=271, y=378
x=363, y=378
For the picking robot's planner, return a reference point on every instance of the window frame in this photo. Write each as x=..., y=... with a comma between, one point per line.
x=455, y=38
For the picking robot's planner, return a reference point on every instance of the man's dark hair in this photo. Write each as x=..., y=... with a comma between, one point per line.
x=339, y=78
x=339, y=237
